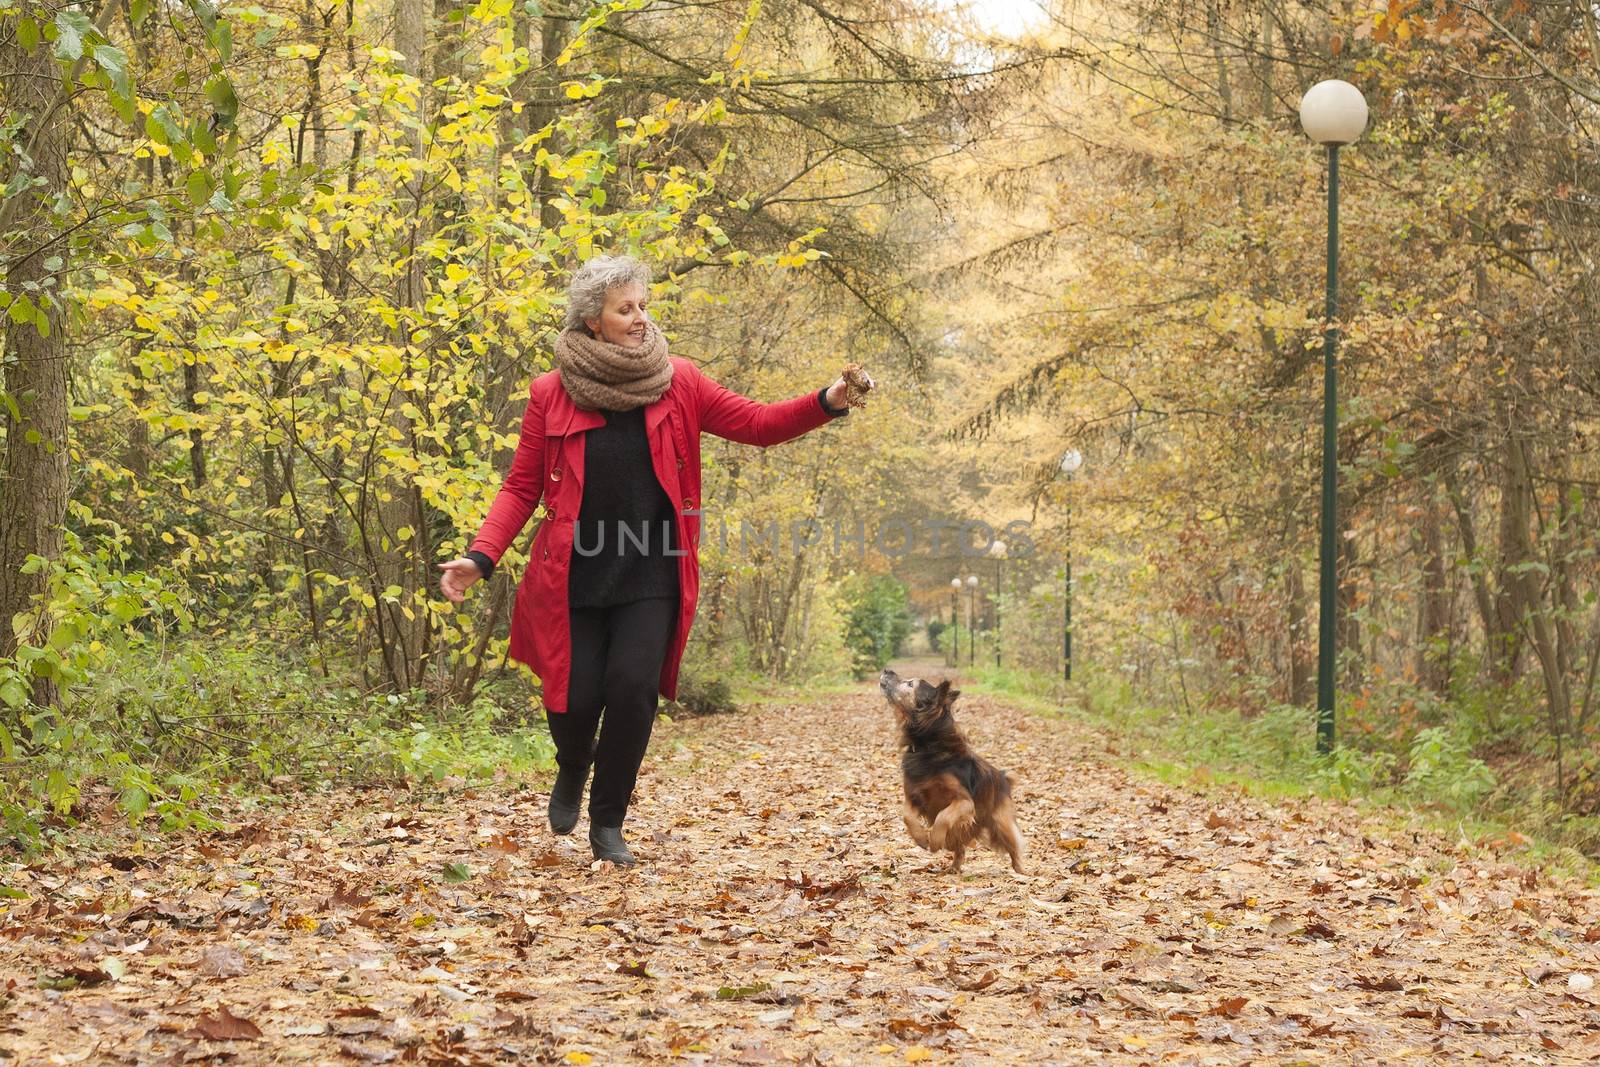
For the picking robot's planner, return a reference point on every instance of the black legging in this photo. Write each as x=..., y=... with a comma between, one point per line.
x=617, y=653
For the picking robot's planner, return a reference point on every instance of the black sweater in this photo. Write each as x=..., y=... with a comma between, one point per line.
x=620, y=489
x=625, y=521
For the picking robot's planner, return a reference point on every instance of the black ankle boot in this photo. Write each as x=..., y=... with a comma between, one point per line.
x=565, y=798
x=607, y=843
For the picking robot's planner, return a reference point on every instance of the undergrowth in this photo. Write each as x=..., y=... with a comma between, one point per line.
x=1432, y=772
x=166, y=733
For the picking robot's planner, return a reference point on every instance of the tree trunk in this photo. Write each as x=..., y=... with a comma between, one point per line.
x=1348, y=627
x=33, y=474
x=1501, y=644
x=1527, y=599
x=399, y=545
x=552, y=39
x=1433, y=608
x=1300, y=658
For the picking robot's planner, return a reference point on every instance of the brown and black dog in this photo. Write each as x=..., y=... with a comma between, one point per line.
x=953, y=795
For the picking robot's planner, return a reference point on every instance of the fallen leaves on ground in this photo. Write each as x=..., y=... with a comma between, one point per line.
x=782, y=915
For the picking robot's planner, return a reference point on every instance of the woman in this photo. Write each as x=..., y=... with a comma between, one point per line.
x=611, y=442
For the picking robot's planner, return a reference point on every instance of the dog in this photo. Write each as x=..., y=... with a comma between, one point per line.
x=953, y=796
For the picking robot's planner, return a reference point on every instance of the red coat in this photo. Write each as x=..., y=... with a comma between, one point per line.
x=549, y=463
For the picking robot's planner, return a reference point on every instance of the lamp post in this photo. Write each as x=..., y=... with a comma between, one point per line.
x=998, y=551
x=955, y=628
x=1333, y=113
x=972, y=609
x=1071, y=460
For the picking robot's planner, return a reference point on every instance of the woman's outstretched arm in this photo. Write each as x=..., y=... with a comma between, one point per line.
x=738, y=418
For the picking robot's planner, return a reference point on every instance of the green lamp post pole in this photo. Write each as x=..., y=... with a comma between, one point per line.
x=1066, y=608
x=1332, y=113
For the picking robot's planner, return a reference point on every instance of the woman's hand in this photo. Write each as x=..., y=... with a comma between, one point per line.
x=458, y=576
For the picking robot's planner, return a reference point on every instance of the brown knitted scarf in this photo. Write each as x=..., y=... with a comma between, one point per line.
x=601, y=375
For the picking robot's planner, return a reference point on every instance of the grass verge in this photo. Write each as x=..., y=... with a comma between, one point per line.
x=1439, y=787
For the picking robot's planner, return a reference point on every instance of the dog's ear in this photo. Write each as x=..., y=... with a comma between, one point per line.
x=950, y=698
x=941, y=696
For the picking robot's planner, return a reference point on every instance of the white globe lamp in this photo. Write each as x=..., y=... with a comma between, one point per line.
x=1333, y=112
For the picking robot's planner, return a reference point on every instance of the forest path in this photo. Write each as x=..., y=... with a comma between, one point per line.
x=781, y=914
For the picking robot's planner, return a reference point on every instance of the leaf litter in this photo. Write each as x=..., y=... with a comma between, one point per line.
x=781, y=915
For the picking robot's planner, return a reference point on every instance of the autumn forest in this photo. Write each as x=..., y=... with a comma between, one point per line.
x=275, y=278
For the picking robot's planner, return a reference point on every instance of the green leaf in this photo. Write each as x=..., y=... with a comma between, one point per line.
x=206, y=14
x=138, y=10
x=111, y=58
x=199, y=188
x=171, y=129
x=124, y=107
x=219, y=90
x=124, y=607
x=135, y=801
x=457, y=872
x=200, y=136
x=71, y=28
x=28, y=34
x=740, y=992
x=224, y=38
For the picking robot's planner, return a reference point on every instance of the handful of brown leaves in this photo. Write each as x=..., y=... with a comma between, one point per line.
x=857, y=383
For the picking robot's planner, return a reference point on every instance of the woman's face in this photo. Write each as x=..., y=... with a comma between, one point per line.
x=622, y=320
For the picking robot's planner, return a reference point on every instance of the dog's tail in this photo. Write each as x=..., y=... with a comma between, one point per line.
x=1010, y=838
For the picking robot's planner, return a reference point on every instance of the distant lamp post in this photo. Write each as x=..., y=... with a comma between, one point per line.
x=955, y=623
x=998, y=551
x=1071, y=460
x=972, y=611
x=1333, y=113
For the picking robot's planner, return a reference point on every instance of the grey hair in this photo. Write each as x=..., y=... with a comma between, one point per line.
x=587, y=288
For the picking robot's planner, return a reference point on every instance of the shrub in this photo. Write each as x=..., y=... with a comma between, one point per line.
x=1442, y=767
x=700, y=696
x=878, y=620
